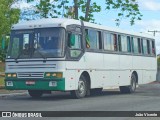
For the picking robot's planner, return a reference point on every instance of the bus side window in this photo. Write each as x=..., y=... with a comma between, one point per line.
x=93, y=39
x=148, y=47
x=139, y=45
x=142, y=46
x=153, y=48
x=115, y=42
x=119, y=43
x=135, y=45
x=145, y=46
x=128, y=44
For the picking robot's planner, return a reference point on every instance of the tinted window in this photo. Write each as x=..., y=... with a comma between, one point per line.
x=110, y=41
x=135, y=45
x=92, y=39
x=153, y=47
x=144, y=46
x=148, y=47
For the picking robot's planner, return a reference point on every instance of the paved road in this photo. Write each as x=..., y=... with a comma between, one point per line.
x=147, y=98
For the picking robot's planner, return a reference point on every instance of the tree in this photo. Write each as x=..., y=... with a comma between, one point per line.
x=127, y=9
x=8, y=17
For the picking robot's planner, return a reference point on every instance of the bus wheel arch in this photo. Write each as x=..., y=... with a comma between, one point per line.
x=88, y=81
x=136, y=75
x=83, y=86
x=133, y=83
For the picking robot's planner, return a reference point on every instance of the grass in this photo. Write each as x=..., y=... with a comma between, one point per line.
x=2, y=66
x=1, y=81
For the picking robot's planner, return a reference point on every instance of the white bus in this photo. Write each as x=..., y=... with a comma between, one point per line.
x=71, y=55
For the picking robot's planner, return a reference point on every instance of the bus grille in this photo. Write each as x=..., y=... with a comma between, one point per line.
x=30, y=75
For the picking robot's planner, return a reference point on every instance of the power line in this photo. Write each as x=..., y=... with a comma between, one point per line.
x=153, y=31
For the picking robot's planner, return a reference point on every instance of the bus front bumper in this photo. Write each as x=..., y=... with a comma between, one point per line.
x=35, y=84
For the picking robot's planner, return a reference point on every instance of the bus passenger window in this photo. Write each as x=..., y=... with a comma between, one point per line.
x=139, y=45
x=110, y=41
x=148, y=47
x=128, y=44
x=92, y=39
x=119, y=43
x=135, y=45
x=123, y=43
x=144, y=46
x=153, y=48
x=115, y=42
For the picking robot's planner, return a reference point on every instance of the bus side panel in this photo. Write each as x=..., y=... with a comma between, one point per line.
x=125, y=70
x=94, y=63
x=111, y=70
x=73, y=72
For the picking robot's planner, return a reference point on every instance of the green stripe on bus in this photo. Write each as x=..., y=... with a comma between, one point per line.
x=42, y=84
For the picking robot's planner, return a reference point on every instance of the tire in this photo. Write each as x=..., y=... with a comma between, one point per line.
x=82, y=89
x=35, y=93
x=131, y=88
x=96, y=91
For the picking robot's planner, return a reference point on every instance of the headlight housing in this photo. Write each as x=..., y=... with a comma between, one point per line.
x=11, y=75
x=53, y=75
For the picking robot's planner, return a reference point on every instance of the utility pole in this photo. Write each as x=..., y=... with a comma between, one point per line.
x=154, y=32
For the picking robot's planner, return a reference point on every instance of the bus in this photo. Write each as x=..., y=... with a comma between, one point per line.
x=82, y=58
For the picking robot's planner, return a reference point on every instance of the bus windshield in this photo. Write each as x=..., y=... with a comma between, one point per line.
x=37, y=43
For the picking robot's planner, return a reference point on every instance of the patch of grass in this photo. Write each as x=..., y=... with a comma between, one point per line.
x=1, y=81
x=2, y=66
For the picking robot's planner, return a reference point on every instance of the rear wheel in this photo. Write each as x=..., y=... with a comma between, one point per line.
x=35, y=93
x=82, y=89
x=131, y=88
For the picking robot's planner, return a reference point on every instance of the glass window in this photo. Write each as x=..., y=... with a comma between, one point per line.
x=74, y=41
x=107, y=41
x=128, y=44
x=110, y=41
x=144, y=46
x=135, y=45
x=153, y=47
x=124, y=43
x=139, y=45
x=37, y=43
x=77, y=44
x=92, y=39
x=148, y=47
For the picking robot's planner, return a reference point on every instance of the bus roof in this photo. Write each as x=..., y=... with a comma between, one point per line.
x=63, y=22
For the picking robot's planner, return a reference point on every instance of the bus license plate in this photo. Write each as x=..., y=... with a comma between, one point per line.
x=30, y=82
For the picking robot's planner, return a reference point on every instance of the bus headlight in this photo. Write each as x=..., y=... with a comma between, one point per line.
x=53, y=75
x=11, y=75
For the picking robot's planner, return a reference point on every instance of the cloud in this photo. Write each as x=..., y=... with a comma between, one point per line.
x=153, y=5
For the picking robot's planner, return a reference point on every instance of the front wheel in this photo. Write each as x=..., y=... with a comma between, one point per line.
x=131, y=88
x=35, y=93
x=82, y=89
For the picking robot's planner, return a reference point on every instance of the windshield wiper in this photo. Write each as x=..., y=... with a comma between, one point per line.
x=43, y=56
x=16, y=59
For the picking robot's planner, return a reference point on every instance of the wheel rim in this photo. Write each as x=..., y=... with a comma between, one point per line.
x=81, y=87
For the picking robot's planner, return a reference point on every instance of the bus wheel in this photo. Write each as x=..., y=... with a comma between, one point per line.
x=35, y=93
x=131, y=88
x=82, y=89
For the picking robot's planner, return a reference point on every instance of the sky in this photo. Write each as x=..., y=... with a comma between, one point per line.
x=150, y=10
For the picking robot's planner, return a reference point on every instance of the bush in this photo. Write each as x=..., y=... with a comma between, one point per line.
x=2, y=55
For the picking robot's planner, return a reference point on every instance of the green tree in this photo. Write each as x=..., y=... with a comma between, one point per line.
x=8, y=17
x=126, y=9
